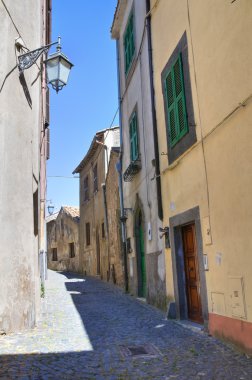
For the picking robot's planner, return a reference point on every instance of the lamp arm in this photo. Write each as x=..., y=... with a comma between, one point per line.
x=28, y=59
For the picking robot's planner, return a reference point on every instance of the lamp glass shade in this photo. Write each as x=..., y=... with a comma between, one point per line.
x=52, y=68
x=50, y=209
x=58, y=68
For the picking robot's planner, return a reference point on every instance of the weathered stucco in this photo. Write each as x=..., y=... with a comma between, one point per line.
x=113, y=240
x=61, y=232
x=141, y=193
x=214, y=173
x=20, y=127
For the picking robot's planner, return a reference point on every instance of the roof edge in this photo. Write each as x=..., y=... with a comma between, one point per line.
x=118, y=18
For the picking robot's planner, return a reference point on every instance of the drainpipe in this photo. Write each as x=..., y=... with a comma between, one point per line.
x=106, y=225
x=120, y=182
x=154, y=116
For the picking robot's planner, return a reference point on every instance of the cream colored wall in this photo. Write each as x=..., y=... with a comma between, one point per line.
x=222, y=62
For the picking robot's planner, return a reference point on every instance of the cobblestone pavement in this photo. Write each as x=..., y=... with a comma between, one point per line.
x=86, y=327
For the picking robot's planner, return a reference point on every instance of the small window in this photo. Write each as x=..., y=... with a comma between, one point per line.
x=54, y=254
x=129, y=44
x=71, y=250
x=88, y=241
x=103, y=230
x=175, y=102
x=134, y=151
x=95, y=178
x=85, y=189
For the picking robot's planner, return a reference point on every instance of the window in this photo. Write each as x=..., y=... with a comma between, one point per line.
x=88, y=234
x=103, y=230
x=71, y=250
x=129, y=45
x=175, y=102
x=95, y=178
x=86, y=192
x=54, y=254
x=134, y=153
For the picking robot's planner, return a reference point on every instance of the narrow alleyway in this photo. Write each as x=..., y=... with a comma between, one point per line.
x=91, y=330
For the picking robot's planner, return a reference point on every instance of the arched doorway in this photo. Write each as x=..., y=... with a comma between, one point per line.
x=140, y=251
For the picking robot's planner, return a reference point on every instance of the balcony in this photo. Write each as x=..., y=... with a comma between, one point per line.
x=133, y=168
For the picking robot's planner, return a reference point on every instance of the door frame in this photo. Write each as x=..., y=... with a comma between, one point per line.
x=176, y=223
x=141, y=287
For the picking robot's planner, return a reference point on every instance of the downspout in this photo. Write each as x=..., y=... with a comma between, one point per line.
x=106, y=225
x=154, y=116
x=120, y=182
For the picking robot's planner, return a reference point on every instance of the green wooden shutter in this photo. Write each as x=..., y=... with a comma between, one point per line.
x=129, y=45
x=133, y=138
x=175, y=103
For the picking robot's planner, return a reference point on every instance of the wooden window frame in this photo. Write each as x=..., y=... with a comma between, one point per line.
x=176, y=102
x=88, y=234
x=71, y=250
x=103, y=230
x=54, y=254
x=129, y=43
x=133, y=134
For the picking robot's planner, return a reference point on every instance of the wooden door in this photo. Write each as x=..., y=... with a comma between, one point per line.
x=192, y=274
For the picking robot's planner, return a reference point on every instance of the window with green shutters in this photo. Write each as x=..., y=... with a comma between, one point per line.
x=134, y=152
x=175, y=102
x=129, y=44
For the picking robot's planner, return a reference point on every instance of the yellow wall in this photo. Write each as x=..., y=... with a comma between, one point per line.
x=215, y=174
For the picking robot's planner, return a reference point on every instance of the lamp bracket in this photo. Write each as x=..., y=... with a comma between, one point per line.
x=28, y=59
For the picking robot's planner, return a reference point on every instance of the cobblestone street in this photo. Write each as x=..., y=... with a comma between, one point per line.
x=91, y=330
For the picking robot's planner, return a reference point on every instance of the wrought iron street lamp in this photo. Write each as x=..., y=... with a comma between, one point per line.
x=57, y=64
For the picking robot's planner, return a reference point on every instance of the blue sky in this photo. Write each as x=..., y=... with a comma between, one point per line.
x=89, y=101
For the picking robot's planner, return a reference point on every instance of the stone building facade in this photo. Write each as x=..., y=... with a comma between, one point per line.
x=112, y=226
x=94, y=257
x=139, y=154
x=63, y=240
x=23, y=153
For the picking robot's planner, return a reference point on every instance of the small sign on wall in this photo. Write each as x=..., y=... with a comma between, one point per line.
x=131, y=267
x=205, y=260
x=149, y=231
x=207, y=236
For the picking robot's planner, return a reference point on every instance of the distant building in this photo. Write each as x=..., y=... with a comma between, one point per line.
x=94, y=255
x=63, y=239
x=139, y=154
x=24, y=122
x=112, y=225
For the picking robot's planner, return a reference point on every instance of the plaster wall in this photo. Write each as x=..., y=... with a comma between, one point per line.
x=19, y=167
x=214, y=173
x=136, y=94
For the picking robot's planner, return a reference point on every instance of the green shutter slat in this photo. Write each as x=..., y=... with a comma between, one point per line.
x=172, y=123
x=175, y=103
x=133, y=138
x=177, y=78
x=169, y=90
x=129, y=46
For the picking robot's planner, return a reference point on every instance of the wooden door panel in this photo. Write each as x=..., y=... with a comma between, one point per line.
x=192, y=274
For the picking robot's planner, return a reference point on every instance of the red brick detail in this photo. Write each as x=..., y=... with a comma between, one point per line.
x=233, y=330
